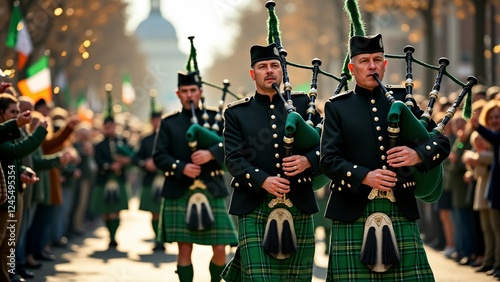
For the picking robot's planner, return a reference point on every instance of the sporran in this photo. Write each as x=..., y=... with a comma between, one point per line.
x=380, y=249
x=112, y=192
x=280, y=240
x=199, y=215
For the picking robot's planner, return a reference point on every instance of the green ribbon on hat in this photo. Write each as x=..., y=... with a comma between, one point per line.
x=357, y=27
x=109, y=113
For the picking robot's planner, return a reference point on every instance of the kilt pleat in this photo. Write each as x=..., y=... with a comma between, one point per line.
x=346, y=241
x=99, y=206
x=172, y=225
x=251, y=263
x=148, y=202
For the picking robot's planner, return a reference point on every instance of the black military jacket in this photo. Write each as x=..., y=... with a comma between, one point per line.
x=354, y=141
x=172, y=153
x=104, y=157
x=145, y=152
x=254, y=150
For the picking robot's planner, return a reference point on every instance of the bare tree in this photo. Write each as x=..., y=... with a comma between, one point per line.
x=85, y=38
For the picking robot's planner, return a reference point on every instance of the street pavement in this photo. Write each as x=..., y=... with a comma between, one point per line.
x=87, y=259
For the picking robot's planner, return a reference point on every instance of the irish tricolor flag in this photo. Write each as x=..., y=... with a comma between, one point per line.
x=128, y=92
x=37, y=84
x=18, y=37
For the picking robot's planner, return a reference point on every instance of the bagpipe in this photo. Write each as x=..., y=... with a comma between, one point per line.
x=406, y=129
x=410, y=130
x=205, y=136
x=300, y=135
x=199, y=214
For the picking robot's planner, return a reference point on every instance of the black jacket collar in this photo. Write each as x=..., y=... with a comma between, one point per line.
x=367, y=93
x=261, y=98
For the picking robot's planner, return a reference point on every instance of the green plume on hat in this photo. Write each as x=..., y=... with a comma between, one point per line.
x=192, y=63
x=273, y=25
x=109, y=114
x=467, y=108
x=152, y=95
x=357, y=27
x=155, y=110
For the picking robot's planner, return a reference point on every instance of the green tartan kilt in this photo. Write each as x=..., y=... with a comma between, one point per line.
x=172, y=226
x=148, y=202
x=251, y=263
x=345, y=247
x=98, y=204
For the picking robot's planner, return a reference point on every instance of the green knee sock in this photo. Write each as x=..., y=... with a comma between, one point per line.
x=216, y=271
x=155, y=228
x=112, y=225
x=185, y=273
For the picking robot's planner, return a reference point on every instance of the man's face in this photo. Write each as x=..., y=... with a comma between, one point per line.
x=11, y=112
x=155, y=122
x=109, y=128
x=363, y=66
x=265, y=73
x=187, y=93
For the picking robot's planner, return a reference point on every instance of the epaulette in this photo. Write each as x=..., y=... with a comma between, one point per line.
x=171, y=114
x=341, y=94
x=239, y=102
x=298, y=93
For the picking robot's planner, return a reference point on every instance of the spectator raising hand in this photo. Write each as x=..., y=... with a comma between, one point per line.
x=23, y=118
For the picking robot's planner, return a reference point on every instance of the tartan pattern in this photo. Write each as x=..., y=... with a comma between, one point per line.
x=99, y=206
x=345, y=247
x=250, y=263
x=172, y=225
x=147, y=202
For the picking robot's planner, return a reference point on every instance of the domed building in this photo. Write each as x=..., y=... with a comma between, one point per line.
x=158, y=40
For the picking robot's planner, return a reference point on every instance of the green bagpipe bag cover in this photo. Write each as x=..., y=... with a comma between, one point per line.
x=124, y=151
x=306, y=138
x=204, y=137
x=429, y=185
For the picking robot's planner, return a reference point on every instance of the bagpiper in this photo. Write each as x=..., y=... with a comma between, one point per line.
x=112, y=155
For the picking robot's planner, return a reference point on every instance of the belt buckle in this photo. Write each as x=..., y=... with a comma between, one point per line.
x=375, y=193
